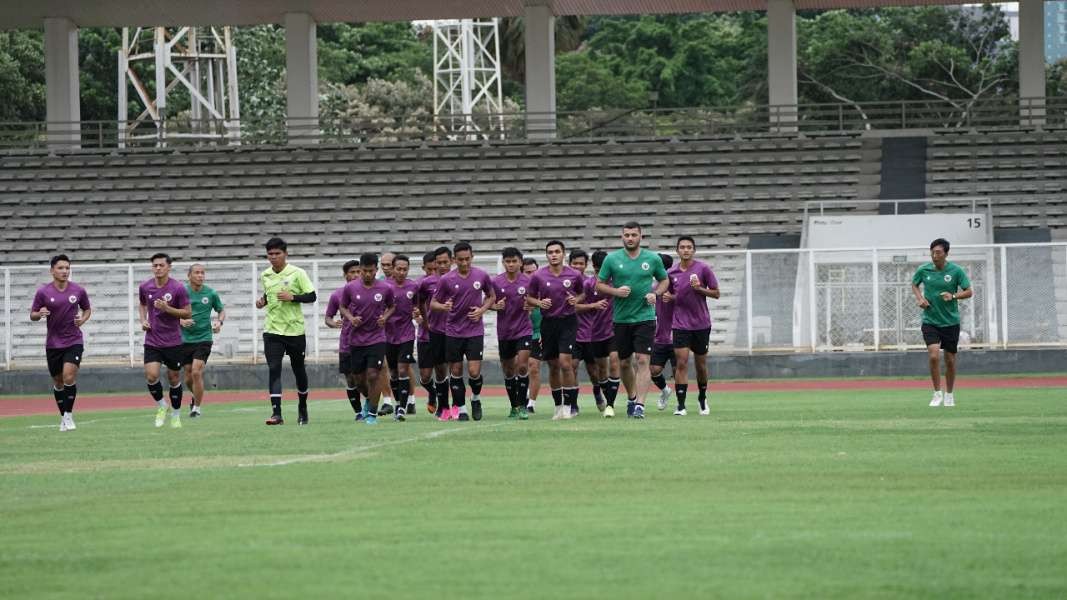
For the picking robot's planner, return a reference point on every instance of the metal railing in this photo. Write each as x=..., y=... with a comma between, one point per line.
x=798, y=300
x=1001, y=113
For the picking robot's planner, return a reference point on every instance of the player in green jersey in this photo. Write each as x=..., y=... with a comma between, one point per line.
x=285, y=288
x=943, y=284
x=197, y=333
x=529, y=267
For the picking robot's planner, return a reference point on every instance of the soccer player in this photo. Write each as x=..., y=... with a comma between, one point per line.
x=529, y=267
x=386, y=407
x=692, y=283
x=943, y=285
x=464, y=295
x=344, y=364
x=662, y=348
x=197, y=333
x=556, y=289
x=624, y=275
x=435, y=323
x=387, y=266
x=596, y=338
x=285, y=288
x=514, y=330
x=163, y=303
x=400, y=336
x=65, y=307
x=422, y=340
x=368, y=303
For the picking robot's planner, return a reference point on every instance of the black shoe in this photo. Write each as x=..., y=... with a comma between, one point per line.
x=275, y=420
x=464, y=417
x=359, y=416
x=302, y=419
x=411, y=409
x=574, y=410
x=476, y=410
x=530, y=409
x=385, y=409
x=399, y=416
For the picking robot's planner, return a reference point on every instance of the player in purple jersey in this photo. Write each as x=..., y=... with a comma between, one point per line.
x=464, y=295
x=163, y=303
x=400, y=336
x=529, y=267
x=692, y=283
x=556, y=289
x=65, y=307
x=422, y=339
x=596, y=337
x=367, y=303
x=514, y=330
x=434, y=322
x=333, y=321
x=385, y=407
x=662, y=348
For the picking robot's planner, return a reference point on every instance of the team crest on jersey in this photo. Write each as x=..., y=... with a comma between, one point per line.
x=377, y=297
x=410, y=294
x=204, y=300
x=521, y=290
x=72, y=299
x=645, y=266
x=53, y=300
x=566, y=283
x=477, y=285
x=167, y=297
x=948, y=278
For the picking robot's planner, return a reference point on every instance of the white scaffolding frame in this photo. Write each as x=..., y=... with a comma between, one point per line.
x=467, y=80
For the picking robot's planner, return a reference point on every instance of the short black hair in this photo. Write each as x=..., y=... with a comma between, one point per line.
x=368, y=259
x=940, y=242
x=159, y=255
x=348, y=265
x=442, y=250
x=576, y=254
x=686, y=238
x=277, y=243
x=402, y=257
x=58, y=258
x=529, y=261
x=632, y=225
x=462, y=247
x=428, y=258
x=667, y=260
x=598, y=259
x=555, y=243
x=511, y=252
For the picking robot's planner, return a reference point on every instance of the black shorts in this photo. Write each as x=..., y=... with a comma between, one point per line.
x=696, y=340
x=948, y=337
x=661, y=355
x=400, y=353
x=57, y=357
x=275, y=347
x=558, y=335
x=590, y=351
x=172, y=357
x=634, y=337
x=458, y=348
x=344, y=362
x=438, y=348
x=535, y=349
x=509, y=349
x=424, y=356
x=195, y=351
x=361, y=358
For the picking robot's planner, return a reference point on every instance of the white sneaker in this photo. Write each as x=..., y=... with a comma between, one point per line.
x=949, y=401
x=175, y=419
x=936, y=400
x=680, y=412
x=706, y=410
x=560, y=410
x=609, y=412
x=70, y=421
x=63, y=422
x=664, y=395
x=161, y=416
x=568, y=412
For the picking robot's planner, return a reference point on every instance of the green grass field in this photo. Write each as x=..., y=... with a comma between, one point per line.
x=816, y=494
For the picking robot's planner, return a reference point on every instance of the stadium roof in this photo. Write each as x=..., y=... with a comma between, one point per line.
x=92, y=13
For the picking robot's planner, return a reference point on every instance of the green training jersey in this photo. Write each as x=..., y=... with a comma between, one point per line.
x=951, y=279
x=535, y=320
x=203, y=302
x=284, y=318
x=637, y=273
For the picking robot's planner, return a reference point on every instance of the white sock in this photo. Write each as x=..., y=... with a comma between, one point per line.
x=161, y=403
x=463, y=410
x=476, y=398
x=176, y=412
x=387, y=399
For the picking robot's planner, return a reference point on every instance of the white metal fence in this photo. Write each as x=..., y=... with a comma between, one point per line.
x=858, y=299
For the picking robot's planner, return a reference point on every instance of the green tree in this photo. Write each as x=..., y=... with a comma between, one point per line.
x=350, y=53
x=22, y=89
x=582, y=83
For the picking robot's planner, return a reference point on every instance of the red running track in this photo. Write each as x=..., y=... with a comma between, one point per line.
x=39, y=405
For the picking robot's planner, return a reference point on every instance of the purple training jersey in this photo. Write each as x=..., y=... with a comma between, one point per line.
x=465, y=293
x=165, y=330
x=664, y=318
x=333, y=308
x=368, y=303
x=431, y=319
x=596, y=325
x=690, y=308
x=399, y=328
x=544, y=284
x=513, y=322
x=63, y=308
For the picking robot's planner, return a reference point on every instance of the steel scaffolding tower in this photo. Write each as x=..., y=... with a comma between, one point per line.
x=468, y=100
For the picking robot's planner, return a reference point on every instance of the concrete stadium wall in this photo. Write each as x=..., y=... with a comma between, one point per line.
x=761, y=366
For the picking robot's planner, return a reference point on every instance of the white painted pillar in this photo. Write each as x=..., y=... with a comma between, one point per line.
x=301, y=77
x=540, y=34
x=1032, y=62
x=782, y=64
x=63, y=98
